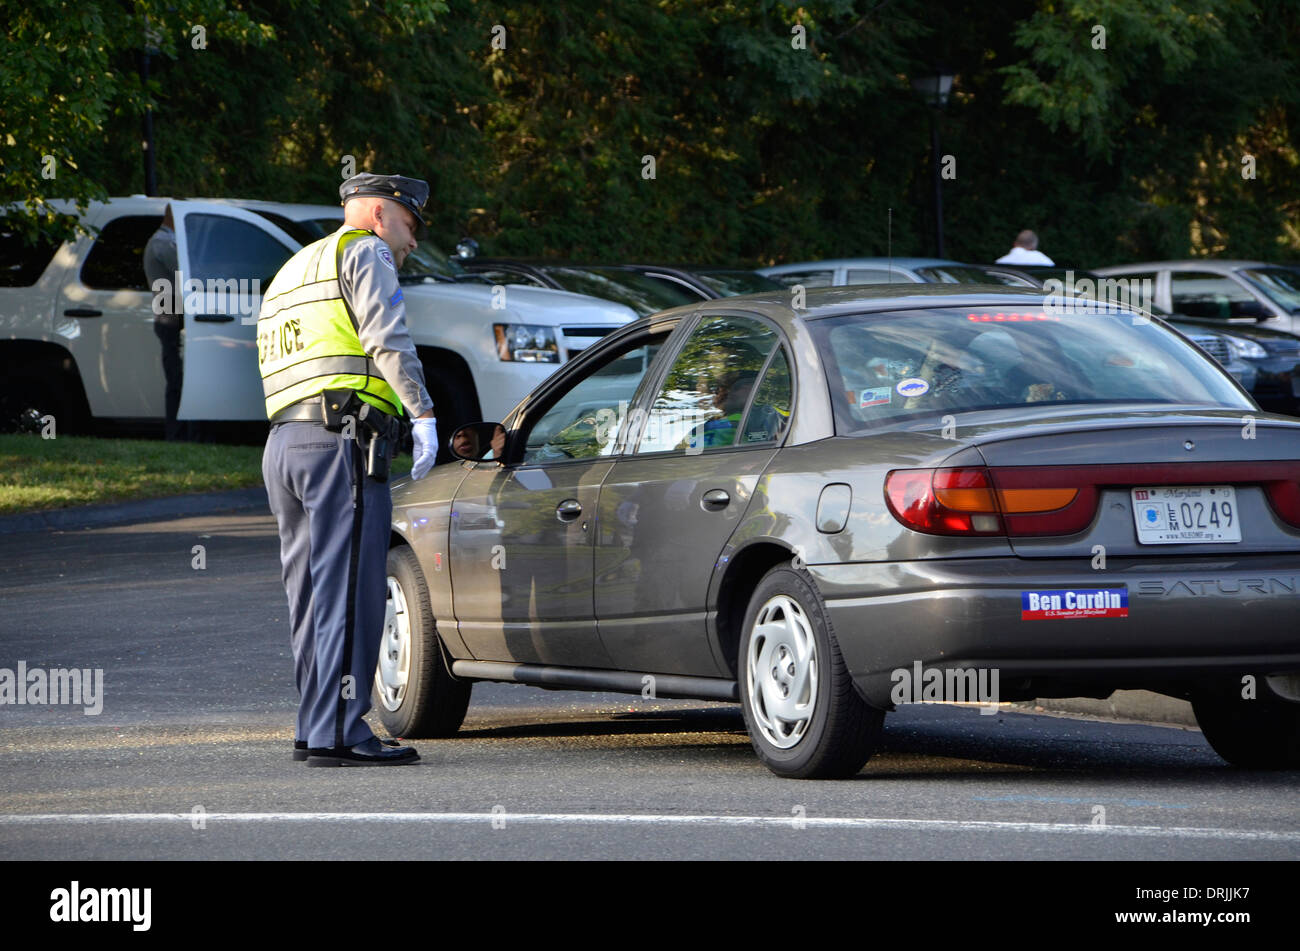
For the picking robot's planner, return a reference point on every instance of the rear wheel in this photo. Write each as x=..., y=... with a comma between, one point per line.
x=29, y=400
x=804, y=716
x=414, y=693
x=1259, y=732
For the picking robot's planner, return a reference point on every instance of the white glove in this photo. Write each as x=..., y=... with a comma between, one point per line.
x=425, y=434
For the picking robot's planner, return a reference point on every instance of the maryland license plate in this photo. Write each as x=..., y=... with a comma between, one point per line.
x=1186, y=514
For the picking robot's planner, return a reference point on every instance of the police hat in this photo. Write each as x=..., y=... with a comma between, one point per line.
x=410, y=192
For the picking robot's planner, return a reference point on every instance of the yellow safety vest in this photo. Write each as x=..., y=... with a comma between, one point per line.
x=307, y=336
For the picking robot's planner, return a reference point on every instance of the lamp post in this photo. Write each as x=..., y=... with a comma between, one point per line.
x=934, y=89
x=151, y=40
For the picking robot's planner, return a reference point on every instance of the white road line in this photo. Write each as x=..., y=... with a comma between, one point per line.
x=546, y=818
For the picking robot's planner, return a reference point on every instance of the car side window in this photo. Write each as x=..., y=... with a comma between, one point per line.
x=818, y=278
x=222, y=248
x=769, y=414
x=702, y=401
x=864, y=275
x=1198, y=294
x=116, y=260
x=22, y=262
x=585, y=421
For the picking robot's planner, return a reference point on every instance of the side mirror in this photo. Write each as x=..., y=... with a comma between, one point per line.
x=476, y=442
x=1248, y=308
x=467, y=248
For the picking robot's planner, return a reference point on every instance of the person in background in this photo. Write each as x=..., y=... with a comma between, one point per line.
x=160, y=264
x=1025, y=251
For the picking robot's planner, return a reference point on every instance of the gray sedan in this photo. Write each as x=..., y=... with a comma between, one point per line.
x=891, y=495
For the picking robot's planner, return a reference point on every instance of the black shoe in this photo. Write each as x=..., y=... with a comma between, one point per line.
x=371, y=752
x=300, y=748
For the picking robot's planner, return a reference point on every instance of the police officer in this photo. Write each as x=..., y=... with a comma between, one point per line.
x=338, y=370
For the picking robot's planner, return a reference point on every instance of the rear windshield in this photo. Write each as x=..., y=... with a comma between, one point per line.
x=645, y=295
x=731, y=283
x=969, y=274
x=885, y=367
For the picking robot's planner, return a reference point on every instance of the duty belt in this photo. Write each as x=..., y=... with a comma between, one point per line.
x=307, y=410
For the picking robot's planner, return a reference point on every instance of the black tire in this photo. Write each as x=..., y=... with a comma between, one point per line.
x=1258, y=733
x=26, y=398
x=455, y=402
x=433, y=702
x=840, y=731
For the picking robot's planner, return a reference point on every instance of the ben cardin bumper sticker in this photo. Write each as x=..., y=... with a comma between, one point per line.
x=1059, y=603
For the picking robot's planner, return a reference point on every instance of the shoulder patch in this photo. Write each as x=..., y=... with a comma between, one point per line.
x=386, y=256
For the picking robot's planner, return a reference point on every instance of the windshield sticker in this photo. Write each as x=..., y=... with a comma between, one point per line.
x=875, y=396
x=912, y=386
x=1060, y=603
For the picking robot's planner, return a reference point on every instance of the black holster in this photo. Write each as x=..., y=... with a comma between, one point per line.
x=377, y=433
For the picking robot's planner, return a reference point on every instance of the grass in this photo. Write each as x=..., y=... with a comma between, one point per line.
x=40, y=474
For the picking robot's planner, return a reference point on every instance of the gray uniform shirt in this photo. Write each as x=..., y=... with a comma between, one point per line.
x=368, y=276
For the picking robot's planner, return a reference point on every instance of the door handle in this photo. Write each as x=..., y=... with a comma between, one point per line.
x=568, y=510
x=82, y=312
x=715, y=499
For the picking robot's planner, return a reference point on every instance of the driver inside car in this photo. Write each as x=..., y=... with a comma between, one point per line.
x=730, y=395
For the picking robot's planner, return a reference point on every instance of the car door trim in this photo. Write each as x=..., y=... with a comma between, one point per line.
x=678, y=686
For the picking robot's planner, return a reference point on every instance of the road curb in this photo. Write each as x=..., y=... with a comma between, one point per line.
x=1142, y=705
x=143, y=510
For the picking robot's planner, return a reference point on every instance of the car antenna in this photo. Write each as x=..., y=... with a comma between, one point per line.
x=890, y=244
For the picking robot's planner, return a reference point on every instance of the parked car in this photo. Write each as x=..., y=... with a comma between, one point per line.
x=1232, y=291
x=843, y=271
x=644, y=293
x=77, y=318
x=1263, y=359
x=793, y=509
x=710, y=283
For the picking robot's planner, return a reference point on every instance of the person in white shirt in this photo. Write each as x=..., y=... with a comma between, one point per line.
x=1025, y=251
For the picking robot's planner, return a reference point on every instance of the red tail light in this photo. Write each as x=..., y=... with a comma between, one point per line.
x=944, y=501
x=1021, y=501
x=977, y=501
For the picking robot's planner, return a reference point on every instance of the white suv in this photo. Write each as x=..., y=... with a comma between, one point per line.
x=76, y=320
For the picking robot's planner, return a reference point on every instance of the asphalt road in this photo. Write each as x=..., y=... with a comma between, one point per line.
x=189, y=756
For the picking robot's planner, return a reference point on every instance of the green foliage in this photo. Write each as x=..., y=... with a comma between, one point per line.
x=778, y=131
x=67, y=73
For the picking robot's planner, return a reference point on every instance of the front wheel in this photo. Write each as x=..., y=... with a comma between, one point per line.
x=804, y=716
x=414, y=693
x=1255, y=732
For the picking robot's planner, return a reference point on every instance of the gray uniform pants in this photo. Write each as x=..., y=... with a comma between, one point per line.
x=334, y=529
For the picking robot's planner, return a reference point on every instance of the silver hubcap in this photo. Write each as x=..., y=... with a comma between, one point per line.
x=395, y=649
x=781, y=669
